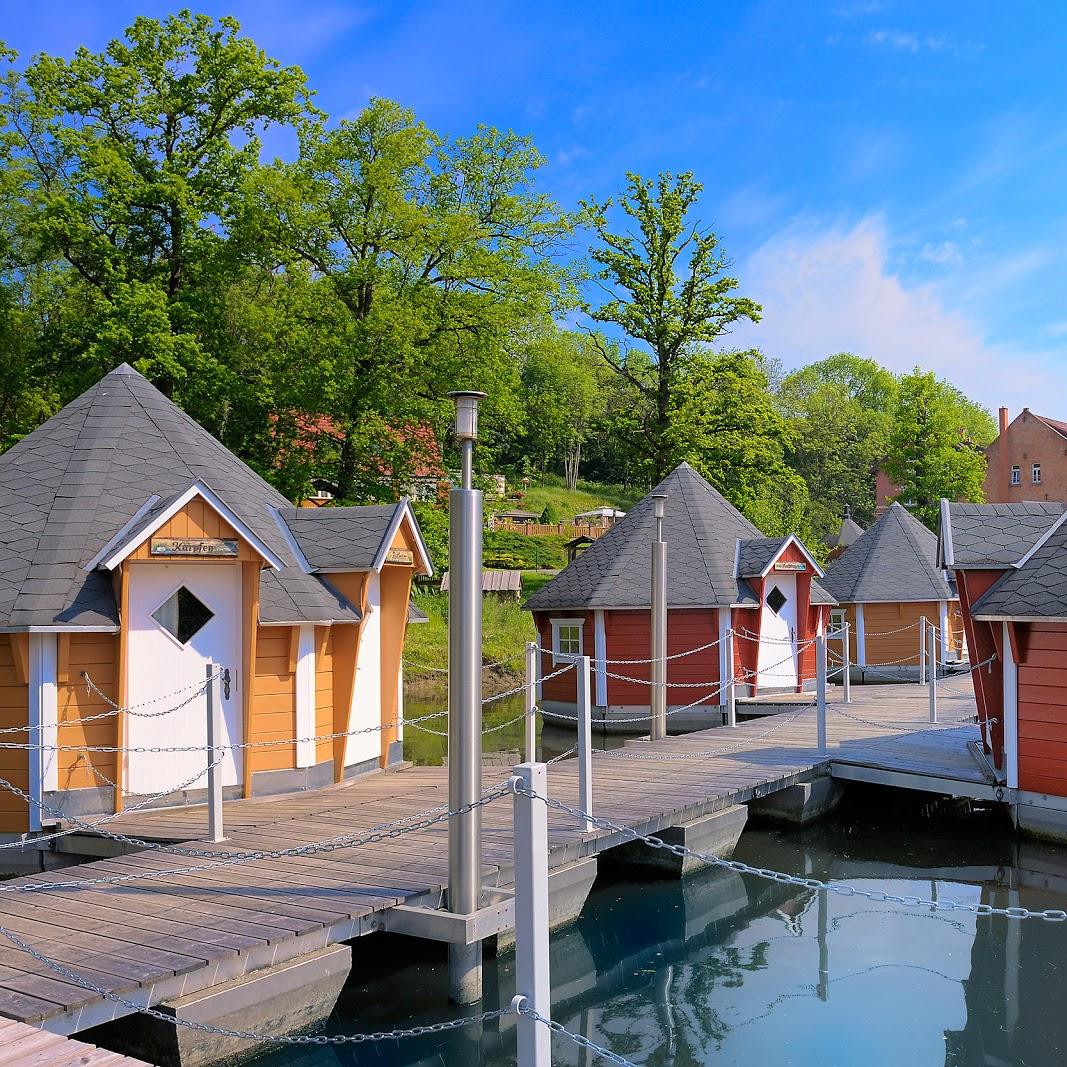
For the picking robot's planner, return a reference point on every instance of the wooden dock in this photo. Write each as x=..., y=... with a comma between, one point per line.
x=153, y=941
x=26, y=1046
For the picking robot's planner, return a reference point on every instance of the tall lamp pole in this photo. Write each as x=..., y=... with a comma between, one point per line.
x=658, y=673
x=465, y=702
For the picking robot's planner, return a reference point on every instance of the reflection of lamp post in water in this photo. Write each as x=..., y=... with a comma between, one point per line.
x=823, y=987
x=465, y=702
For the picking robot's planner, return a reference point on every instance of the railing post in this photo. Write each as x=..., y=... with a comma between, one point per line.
x=922, y=650
x=585, y=739
x=214, y=766
x=931, y=665
x=846, y=665
x=658, y=666
x=731, y=684
x=531, y=701
x=531, y=913
x=820, y=691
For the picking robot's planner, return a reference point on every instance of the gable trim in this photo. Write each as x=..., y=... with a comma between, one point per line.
x=116, y=540
x=124, y=548
x=403, y=509
x=792, y=539
x=1041, y=540
x=947, y=552
x=291, y=541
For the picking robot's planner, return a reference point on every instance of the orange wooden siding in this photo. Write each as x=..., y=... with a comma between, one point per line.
x=196, y=519
x=891, y=630
x=324, y=689
x=97, y=655
x=274, y=700
x=14, y=704
x=1043, y=710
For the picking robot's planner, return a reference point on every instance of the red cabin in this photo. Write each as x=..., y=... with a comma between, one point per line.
x=722, y=574
x=1010, y=562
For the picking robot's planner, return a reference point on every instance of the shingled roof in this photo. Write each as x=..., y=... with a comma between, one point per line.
x=894, y=561
x=702, y=529
x=97, y=468
x=849, y=534
x=1035, y=590
x=993, y=535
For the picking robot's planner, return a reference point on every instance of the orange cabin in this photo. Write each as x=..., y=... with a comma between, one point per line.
x=135, y=554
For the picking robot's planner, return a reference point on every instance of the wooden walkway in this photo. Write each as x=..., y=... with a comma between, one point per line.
x=26, y=1046
x=183, y=931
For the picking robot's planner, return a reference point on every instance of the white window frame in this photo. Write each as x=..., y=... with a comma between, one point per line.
x=838, y=617
x=1035, y=474
x=558, y=656
x=1016, y=474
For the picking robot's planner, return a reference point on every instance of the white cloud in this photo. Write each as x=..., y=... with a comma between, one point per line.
x=827, y=290
x=943, y=253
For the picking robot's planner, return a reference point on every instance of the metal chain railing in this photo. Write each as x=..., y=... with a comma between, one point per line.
x=521, y=1007
x=877, y=896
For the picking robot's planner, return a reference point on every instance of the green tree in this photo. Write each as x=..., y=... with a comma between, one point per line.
x=126, y=166
x=724, y=422
x=932, y=451
x=670, y=291
x=842, y=411
x=428, y=257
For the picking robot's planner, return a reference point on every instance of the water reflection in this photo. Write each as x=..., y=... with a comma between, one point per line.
x=725, y=969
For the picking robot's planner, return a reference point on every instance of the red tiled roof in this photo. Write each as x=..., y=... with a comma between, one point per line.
x=1053, y=424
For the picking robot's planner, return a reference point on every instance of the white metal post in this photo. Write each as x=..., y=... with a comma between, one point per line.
x=531, y=701
x=531, y=914
x=922, y=650
x=820, y=690
x=931, y=665
x=585, y=739
x=214, y=766
x=731, y=684
x=658, y=666
x=846, y=657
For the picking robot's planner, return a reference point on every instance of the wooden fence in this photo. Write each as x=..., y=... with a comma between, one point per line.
x=542, y=529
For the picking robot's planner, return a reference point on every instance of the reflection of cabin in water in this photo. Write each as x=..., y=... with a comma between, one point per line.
x=134, y=551
x=721, y=574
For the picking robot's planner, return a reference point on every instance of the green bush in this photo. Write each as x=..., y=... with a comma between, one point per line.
x=525, y=553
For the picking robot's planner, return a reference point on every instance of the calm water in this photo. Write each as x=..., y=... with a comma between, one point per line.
x=722, y=969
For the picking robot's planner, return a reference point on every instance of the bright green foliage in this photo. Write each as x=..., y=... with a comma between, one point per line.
x=724, y=423
x=549, y=516
x=932, y=451
x=672, y=294
x=842, y=411
x=125, y=168
x=427, y=255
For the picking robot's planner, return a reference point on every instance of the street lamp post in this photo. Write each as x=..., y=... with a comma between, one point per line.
x=465, y=702
x=658, y=672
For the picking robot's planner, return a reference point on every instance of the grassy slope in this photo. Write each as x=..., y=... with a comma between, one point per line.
x=588, y=495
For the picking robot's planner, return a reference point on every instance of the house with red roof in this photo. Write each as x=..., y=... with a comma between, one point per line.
x=1028, y=460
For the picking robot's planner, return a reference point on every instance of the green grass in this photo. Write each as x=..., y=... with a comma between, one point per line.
x=505, y=630
x=587, y=496
x=503, y=550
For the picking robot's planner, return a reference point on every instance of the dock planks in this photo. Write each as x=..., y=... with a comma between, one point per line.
x=188, y=929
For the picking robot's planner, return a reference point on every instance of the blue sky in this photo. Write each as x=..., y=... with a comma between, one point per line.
x=889, y=177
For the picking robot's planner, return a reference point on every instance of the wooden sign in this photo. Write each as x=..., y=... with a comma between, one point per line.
x=400, y=555
x=193, y=546
x=786, y=565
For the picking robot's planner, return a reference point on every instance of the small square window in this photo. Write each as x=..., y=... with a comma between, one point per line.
x=566, y=640
x=1016, y=475
x=1036, y=475
x=183, y=615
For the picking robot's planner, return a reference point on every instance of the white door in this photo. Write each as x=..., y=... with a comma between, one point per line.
x=182, y=617
x=777, y=662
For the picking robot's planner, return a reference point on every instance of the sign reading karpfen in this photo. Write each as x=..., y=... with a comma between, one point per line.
x=400, y=555
x=193, y=546
x=787, y=565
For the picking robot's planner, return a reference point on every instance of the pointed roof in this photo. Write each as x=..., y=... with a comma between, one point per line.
x=849, y=533
x=991, y=536
x=1035, y=589
x=105, y=465
x=702, y=530
x=894, y=561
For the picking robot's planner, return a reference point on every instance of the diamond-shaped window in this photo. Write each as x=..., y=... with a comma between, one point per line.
x=183, y=615
x=775, y=600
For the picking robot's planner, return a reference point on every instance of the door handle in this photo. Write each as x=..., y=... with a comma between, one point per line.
x=226, y=683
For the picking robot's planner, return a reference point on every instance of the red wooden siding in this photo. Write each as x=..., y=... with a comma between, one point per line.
x=981, y=644
x=1043, y=709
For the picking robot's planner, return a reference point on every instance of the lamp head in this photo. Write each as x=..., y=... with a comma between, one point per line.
x=466, y=425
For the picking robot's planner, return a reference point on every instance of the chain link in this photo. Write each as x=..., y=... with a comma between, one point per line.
x=521, y=1005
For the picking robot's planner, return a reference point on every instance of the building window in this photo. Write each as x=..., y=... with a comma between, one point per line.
x=1036, y=475
x=566, y=640
x=1016, y=475
x=837, y=621
x=183, y=615
x=776, y=600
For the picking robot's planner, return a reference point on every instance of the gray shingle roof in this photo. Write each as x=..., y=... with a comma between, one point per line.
x=996, y=535
x=755, y=553
x=849, y=534
x=894, y=561
x=338, y=539
x=1036, y=590
x=701, y=528
x=69, y=486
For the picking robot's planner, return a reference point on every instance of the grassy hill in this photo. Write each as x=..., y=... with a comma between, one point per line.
x=567, y=504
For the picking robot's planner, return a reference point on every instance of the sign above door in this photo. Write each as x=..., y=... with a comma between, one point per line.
x=193, y=546
x=787, y=565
